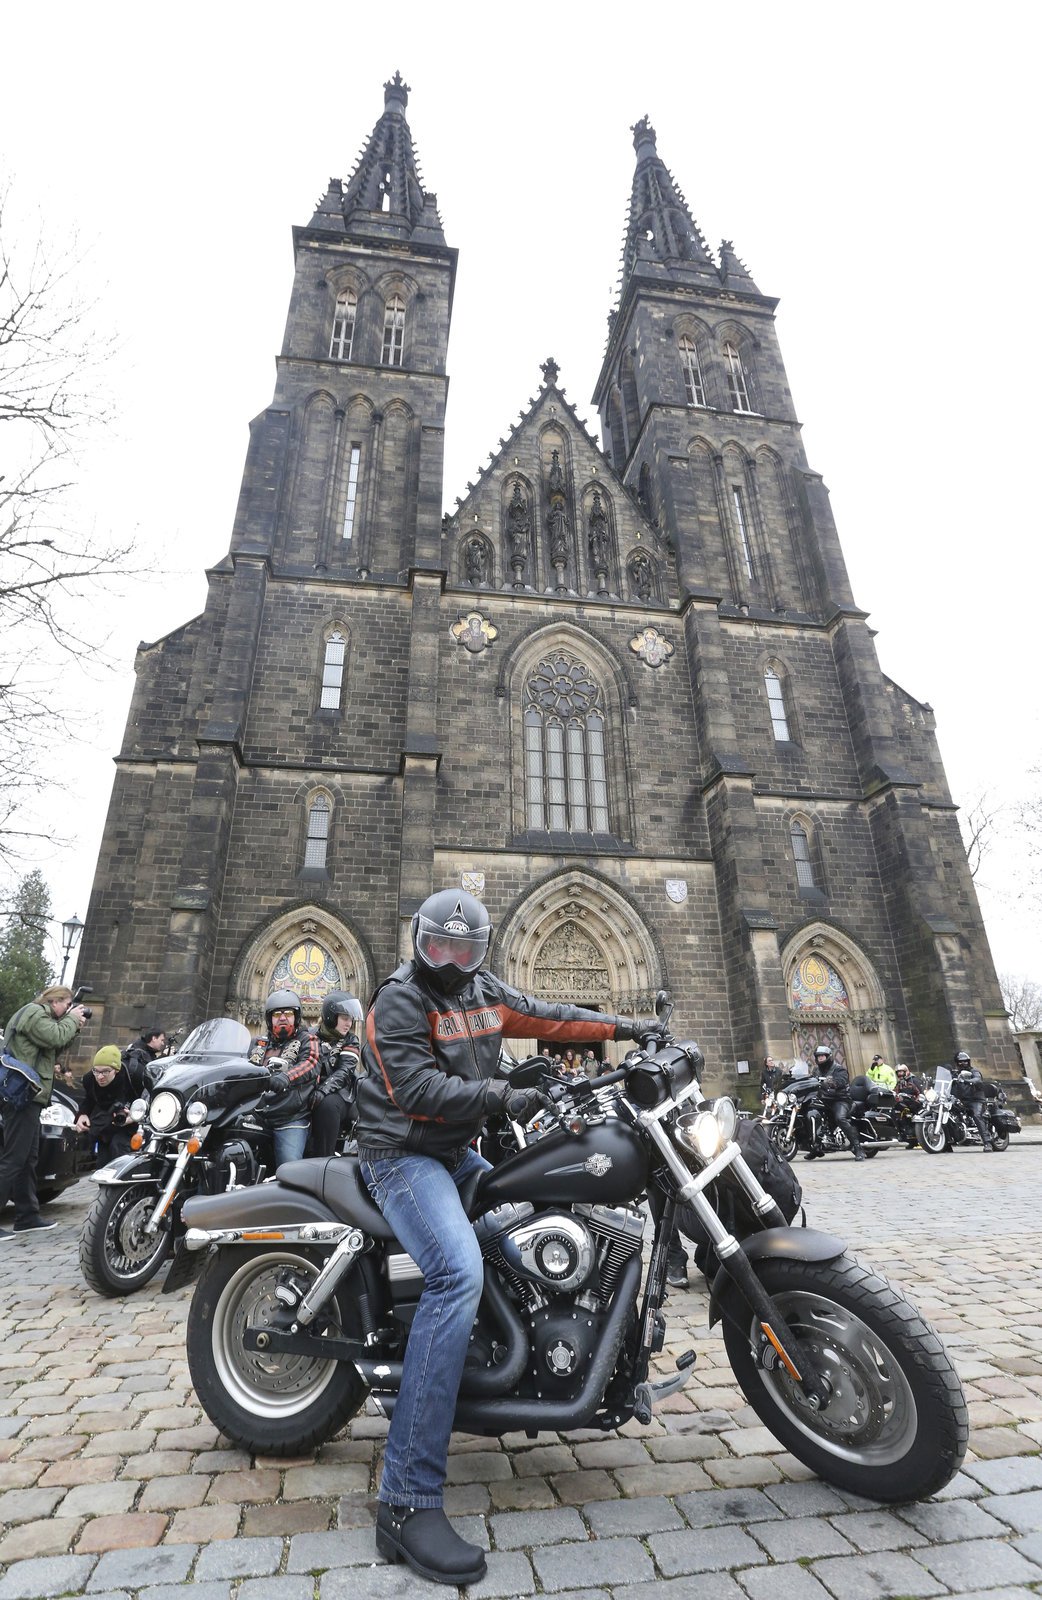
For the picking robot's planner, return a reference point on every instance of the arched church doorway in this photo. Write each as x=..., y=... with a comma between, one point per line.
x=577, y=939
x=835, y=998
x=307, y=950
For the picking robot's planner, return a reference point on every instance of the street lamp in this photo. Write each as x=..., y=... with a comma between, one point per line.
x=71, y=930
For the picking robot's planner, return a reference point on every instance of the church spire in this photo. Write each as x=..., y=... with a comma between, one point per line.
x=384, y=195
x=660, y=231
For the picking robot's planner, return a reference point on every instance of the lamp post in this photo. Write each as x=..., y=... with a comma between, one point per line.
x=71, y=930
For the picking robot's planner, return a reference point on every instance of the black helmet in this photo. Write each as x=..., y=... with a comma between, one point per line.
x=338, y=1003
x=450, y=935
x=282, y=1000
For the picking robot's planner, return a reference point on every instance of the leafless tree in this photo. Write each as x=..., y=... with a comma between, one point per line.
x=1023, y=1002
x=51, y=567
x=978, y=828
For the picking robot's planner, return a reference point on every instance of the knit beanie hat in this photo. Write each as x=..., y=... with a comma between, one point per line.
x=108, y=1056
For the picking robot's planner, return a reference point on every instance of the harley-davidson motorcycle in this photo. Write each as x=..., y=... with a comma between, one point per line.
x=305, y=1300
x=197, y=1134
x=795, y=1118
x=944, y=1120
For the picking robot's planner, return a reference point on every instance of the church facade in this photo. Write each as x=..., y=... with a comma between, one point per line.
x=623, y=693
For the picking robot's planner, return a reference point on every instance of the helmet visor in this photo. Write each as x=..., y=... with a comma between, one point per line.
x=438, y=949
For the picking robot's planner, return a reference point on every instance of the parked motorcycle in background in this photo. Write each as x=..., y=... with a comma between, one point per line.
x=198, y=1134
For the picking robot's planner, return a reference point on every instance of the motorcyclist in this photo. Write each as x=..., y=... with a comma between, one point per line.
x=431, y=1053
x=338, y=1033
x=834, y=1088
x=968, y=1087
x=909, y=1094
x=292, y=1055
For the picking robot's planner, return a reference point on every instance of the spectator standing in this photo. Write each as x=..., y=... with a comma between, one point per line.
x=139, y=1056
x=35, y=1035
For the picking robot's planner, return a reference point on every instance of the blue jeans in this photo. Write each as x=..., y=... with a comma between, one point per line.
x=290, y=1141
x=420, y=1200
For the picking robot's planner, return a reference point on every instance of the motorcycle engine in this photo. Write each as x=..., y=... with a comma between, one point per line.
x=563, y=1252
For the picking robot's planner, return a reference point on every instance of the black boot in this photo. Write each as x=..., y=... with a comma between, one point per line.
x=426, y=1542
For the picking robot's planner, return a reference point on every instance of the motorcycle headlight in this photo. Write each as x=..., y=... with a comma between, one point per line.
x=930, y=1096
x=137, y=1110
x=164, y=1111
x=781, y=1098
x=56, y=1116
x=706, y=1132
x=196, y=1113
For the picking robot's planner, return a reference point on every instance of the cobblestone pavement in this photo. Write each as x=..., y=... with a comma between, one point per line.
x=112, y=1482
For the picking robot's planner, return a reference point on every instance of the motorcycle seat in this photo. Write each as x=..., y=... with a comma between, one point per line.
x=338, y=1183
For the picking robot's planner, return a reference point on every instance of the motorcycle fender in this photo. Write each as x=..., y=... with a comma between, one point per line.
x=129, y=1169
x=782, y=1244
x=266, y=1205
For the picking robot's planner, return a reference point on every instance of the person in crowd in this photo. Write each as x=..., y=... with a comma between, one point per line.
x=292, y=1055
x=968, y=1087
x=69, y=1080
x=835, y=1093
x=108, y=1090
x=433, y=1038
x=139, y=1056
x=882, y=1074
x=333, y=1107
x=35, y=1034
x=770, y=1077
x=591, y=1066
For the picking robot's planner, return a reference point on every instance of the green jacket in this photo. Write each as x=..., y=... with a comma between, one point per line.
x=37, y=1039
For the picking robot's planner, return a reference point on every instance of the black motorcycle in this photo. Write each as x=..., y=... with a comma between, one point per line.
x=197, y=1134
x=791, y=1115
x=305, y=1299
x=944, y=1119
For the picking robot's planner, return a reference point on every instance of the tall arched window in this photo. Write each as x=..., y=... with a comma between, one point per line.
x=736, y=384
x=694, y=388
x=802, y=855
x=566, y=780
x=333, y=673
x=777, y=702
x=394, y=332
x=343, y=326
x=318, y=832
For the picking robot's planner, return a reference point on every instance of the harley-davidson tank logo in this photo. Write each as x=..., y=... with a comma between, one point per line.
x=598, y=1165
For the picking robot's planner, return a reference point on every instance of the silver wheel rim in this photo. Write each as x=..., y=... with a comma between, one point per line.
x=267, y=1385
x=871, y=1418
x=130, y=1251
x=933, y=1138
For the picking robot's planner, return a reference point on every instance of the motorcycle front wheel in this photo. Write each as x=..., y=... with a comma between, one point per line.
x=999, y=1141
x=896, y=1425
x=784, y=1142
x=274, y=1404
x=932, y=1138
x=117, y=1256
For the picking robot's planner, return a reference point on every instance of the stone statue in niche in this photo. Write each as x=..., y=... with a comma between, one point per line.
x=555, y=483
x=475, y=562
x=597, y=535
x=557, y=532
x=641, y=573
x=519, y=532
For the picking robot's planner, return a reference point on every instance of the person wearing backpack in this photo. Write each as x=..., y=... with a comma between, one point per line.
x=35, y=1034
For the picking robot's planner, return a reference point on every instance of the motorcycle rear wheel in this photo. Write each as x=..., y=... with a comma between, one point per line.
x=896, y=1426
x=931, y=1139
x=999, y=1141
x=276, y=1404
x=117, y=1257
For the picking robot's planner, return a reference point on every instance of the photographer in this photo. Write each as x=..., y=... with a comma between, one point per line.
x=35, y=1034
x=108, y=1090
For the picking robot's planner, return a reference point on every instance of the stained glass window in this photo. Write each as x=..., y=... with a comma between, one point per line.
x=309, y=970
x=566, y=777
x=816, y=985
x=343, y=326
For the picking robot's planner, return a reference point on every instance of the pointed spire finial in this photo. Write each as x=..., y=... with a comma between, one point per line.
x=643, y=134
x=550, y=370
x=396, y=93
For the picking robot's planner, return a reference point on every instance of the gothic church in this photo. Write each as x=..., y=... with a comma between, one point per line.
x=623, y=692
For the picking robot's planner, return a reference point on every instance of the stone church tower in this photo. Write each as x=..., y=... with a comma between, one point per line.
x=625, y=695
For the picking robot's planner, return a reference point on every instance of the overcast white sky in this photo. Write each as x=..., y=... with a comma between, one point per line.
x=876, y=168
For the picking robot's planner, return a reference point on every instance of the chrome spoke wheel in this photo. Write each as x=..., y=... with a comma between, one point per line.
x=129, y=1249
x=273, y=1385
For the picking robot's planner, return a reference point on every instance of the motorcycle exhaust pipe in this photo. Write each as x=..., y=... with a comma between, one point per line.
x=499, y=1414
x=381, y=1375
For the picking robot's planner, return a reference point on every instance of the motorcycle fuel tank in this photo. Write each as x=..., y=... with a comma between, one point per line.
x=605, y=1163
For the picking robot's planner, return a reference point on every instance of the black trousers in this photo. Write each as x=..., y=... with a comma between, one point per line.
x=18, y=1160
x=975, y=1111
x=327, y=1119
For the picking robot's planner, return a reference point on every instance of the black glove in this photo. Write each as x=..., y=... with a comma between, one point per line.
x=646, y=1030
x=278, y=1083
x=522, y=1104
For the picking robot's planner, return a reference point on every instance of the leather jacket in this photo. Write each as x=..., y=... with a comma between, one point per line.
x=298, y=1059
x=429, y=1057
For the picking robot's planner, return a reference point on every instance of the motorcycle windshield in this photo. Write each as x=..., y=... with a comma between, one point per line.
x=942, y=1078
x=220, y=1037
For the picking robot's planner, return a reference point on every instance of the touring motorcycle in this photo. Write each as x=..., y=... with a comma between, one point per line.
x=198, y=1133
x=304, y=1303
x=944, y=1120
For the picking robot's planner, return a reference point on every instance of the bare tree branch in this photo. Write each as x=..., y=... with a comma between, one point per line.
x=1023, y=1001
x=978, y=828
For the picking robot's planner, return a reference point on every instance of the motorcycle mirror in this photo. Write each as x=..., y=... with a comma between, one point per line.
x=527, y=1074
x=663, y=1006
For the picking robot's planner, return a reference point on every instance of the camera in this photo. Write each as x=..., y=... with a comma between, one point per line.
x=120, y=1116
x=84, y=988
